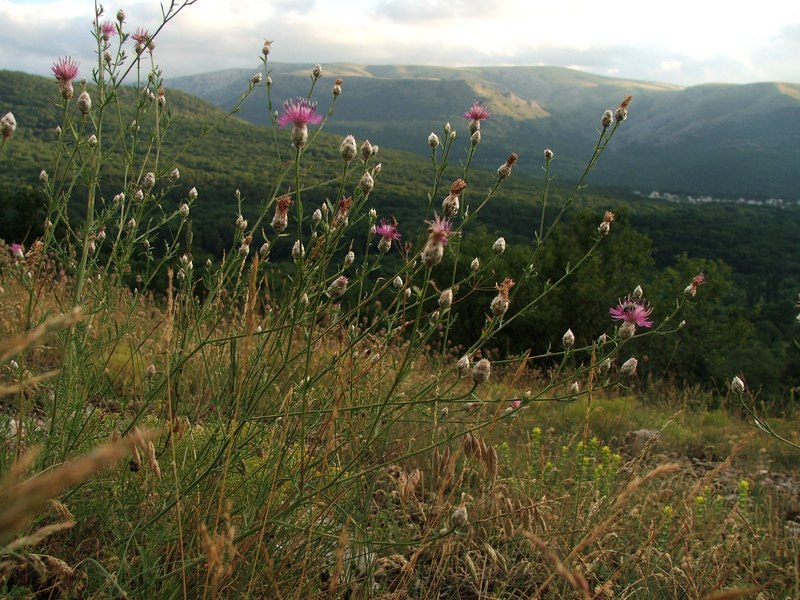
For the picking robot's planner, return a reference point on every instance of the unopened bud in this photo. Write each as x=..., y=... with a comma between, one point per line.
x=499, y=245
x=629, y=367
x=348, y=148
x=737, y=386
x=184, y=210
x=568, y=339
x=193, y=194
x=463, y=365
x=433, y=140
x=84, y=102
x=475, y=264
x=446, y=299
x=481, y=371
x=548, y=154
x=397, y=282
x=349, y=258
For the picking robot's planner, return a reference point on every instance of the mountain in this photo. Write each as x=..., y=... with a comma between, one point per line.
x=714, y=139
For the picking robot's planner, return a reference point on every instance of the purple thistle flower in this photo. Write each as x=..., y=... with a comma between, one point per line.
x=477, y=111
x=108, y=30
x=18, y=251
x=439, y=230
x=143, y=40
x=388, y=230
x=299, y=112
x=634, y=312
x=65, y=69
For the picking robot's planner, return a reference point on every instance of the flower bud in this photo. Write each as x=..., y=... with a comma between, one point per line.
x=43, y=177
x=298, y=252
x=548, y=154
x=175, y=174
x=366, y=150
x=446, y=299
x=397, y=282
x=149, y=181
x=193, y=194
x=629, y=367
x=463, y=365
x=433, y=140
x=637, y=292
x=316, y=217
x=92, y=141
x=338, y=287
x=460, y=518
x=475, y=264
x=348, y=149
x=256, y=79
x=316, y=72
x=349, y=258
x=568, y=339
x=481, y=371
x=737, y=386
x=267, y=47
x=608, y=118
x=184, y=210
x=264, y=250
x=367, y=183
x=241, y=223
x=574, y=388
x=499, y=245
x=84, y=102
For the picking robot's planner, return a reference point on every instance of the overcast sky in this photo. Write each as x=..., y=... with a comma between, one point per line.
x=684, y=42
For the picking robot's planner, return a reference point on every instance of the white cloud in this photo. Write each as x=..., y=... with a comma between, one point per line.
x=681, y=42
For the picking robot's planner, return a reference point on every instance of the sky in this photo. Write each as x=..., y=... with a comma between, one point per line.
x=683, y=42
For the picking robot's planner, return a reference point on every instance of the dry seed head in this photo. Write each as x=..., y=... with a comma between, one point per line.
x=460, y=518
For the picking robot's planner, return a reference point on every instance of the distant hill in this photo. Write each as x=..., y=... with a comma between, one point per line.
x=732, y=140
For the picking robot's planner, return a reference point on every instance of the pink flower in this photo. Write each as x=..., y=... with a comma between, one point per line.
x=108, y=30
x=697, y=281
x=18, y=251
x=299, y=112
x=633, y=312
x=388, y=230
x=65, y=69
x=477, y=111
x=143, y=40
x=439, y=230
x=515, y=403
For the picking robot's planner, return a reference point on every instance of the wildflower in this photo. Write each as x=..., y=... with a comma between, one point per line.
x=475, y=114
x=632, y=312
x=629, y=366
x=337, y=88
x=475, y=264
x=388, y=232
x=8, y=125
x=737, y=385
x=605, y=225
x=622, y=110
x=433, y=140
x=348, y=148
x=366, y=183
x=438, y=234
x=349, y=258
x=500, y=302
x=65, y=70
x=18, y=251
x=241, y=223
x=298, y=252
x=338, y=287
x=299, y=112
x=568, y=339
x=193, y=194
x=143, y=41
x=516, y=403
x=607, y=119
x=481, y=371
x=548, y=154
x=267, y=47
x=446, y=299
x=691, y=289
x=107, y=30
x=499, y=245
x=450, y=204
x=340, y=218
x=280, y=219
x=505, y=169
x=463, y=365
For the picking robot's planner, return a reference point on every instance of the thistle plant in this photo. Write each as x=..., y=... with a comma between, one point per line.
x=289, y=374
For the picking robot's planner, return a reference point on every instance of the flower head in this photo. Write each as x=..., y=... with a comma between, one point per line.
x=697, y=281
x=143, y=40
x=108, y=30
x=18, y=251
x=477, y=111
x=8, y=125
x=65, y=69
x=439, y=230
x=388, y=230
x=299, y=112
x=632, y=311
